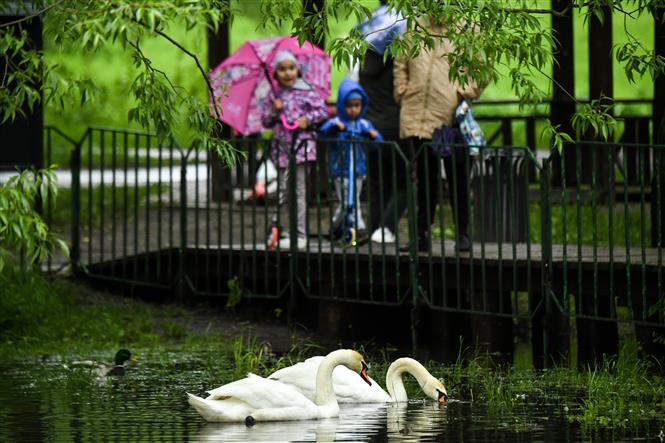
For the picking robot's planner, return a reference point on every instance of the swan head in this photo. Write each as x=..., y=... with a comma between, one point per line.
x=435, y=390
x=357, y=364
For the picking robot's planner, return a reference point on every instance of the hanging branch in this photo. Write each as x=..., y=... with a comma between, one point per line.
x=202, y=71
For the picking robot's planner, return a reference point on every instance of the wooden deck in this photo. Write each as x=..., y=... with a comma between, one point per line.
x=489, y=251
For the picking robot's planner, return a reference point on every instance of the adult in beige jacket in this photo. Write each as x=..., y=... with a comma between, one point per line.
x=428, y=99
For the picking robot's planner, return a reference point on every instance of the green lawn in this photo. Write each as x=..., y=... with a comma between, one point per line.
x=592, y=230
x=115, y=203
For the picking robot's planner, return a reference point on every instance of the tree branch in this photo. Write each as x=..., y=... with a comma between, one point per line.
x=29, y=17
x=148, y=64
x=204, y=74
x=536, y=11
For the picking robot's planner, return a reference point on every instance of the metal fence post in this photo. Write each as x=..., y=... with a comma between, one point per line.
x=75, y=166
x=180, y=284
x=556, y=328
x=413, y=254
x=293, y=229
x=546, y=250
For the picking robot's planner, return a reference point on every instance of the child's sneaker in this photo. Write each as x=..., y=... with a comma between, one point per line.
x=285, y=243
x=336, y=233
x=273, y=236
x=383, y=235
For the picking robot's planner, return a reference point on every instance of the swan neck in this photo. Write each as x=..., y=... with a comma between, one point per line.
x=324, y=383
x=394, y=381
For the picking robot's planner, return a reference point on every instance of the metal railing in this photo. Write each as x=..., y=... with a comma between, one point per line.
x=578, y=233
x=608, y=235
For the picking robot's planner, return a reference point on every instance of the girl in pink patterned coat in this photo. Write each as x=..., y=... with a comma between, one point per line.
x=298, y=102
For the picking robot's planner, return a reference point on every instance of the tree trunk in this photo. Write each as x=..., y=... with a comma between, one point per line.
x=218, y=50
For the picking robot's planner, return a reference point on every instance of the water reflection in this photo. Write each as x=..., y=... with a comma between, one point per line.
x=355, y=422
x=416, y=422
x=42, y=401
x=405, y=422
x=311, y=430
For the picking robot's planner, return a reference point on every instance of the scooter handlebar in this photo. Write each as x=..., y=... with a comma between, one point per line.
x=287, y=125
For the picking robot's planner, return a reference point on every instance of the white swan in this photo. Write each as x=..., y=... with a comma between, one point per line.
x=256, y=398
x=349, y=390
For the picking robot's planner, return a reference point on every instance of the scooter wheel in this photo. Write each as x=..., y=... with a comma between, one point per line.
x=351, y=238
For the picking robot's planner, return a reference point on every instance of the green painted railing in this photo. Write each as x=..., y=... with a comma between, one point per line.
x=578, y=234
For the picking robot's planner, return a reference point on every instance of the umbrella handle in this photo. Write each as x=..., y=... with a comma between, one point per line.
x=287, y=125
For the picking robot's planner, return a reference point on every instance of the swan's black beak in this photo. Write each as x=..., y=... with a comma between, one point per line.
x=443, y=397
x=363, y=373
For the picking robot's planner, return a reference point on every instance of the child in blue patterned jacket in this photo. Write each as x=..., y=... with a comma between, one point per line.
x=347, y=157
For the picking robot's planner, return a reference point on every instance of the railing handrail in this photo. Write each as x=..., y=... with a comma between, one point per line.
x=502, y=215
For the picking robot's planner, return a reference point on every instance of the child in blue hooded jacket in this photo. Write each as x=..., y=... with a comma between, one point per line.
x=347, y=159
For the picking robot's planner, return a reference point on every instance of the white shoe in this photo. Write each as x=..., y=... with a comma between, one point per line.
x=285, y=243
x=383, y=235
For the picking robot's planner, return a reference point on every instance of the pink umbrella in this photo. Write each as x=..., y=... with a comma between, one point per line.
x=243, y=81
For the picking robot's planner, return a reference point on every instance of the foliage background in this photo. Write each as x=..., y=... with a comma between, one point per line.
x=112, y=69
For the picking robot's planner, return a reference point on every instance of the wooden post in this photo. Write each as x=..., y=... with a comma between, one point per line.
x=22, y=138
x=597, y=338
x=658, y=131
x=563, y=73
x=659, y=82
x=218, y=50
x=556, y=330
x=310, y=7
x=601, y=80
x=600, y=84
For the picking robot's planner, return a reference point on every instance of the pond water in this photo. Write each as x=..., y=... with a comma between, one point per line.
x=45, y=401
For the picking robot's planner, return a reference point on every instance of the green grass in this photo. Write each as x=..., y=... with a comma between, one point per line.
x=42, y=315
x=96, y=201
x=622, y=393
x=594, y=230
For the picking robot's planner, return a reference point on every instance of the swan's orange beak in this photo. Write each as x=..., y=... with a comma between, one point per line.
x=363, y=374
x=443, y=398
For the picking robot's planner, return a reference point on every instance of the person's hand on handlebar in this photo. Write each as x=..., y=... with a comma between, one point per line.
x=277, y=105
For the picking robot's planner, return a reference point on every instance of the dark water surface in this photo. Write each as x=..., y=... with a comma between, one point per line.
x=45, y=401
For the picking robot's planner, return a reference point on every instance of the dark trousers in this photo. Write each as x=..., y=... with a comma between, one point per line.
x=386, y=178
x=428, y=178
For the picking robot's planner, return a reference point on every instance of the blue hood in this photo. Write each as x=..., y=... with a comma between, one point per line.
x=345, y=88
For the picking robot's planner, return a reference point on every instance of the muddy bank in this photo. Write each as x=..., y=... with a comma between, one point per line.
x=268, y=327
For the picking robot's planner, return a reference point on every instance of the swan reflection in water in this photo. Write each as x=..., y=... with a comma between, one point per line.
x=416, y=421
x=398, y=422
x=354, y=421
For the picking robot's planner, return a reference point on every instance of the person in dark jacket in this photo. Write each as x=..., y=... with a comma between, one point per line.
x=386, y=168
x=346, y=158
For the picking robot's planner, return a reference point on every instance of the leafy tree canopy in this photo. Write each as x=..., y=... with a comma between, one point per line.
x=488, y=34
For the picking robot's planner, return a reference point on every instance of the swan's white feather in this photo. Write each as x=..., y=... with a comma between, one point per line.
x=349, y=387
x=263, y=399
x=270, y=400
